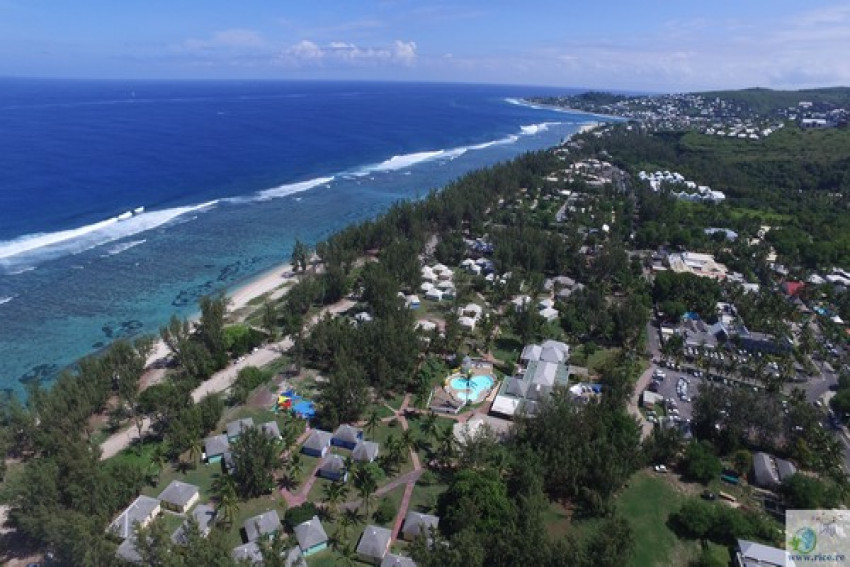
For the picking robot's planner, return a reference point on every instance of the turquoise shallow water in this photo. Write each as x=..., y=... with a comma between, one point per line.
x=229, y=174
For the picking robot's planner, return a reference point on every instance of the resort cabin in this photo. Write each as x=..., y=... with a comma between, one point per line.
x=393, y=560
x=425, y=325
x=416, y=523
x=311, y=536
x=448, y=292
x=141, y=512
x=204, y=516
x=445, y=285
x=756, y=554
x=263, y=525
x=374, y=544
x=333, y=468
x=472, y=310
x=412, y=301
x=467, y=323
x=317, y=443
x=363, y=317
x=215, y=447
x=433, y=294
x=347, y=436
x=549, y=313
x=235, y=428
x=271, y=429
x=179, y=496
x=426, y=286
x=249, y=552
x=365, y=451
x=428, y=274
x=466, y=431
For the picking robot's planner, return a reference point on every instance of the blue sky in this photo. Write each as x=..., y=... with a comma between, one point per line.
x=650, y=45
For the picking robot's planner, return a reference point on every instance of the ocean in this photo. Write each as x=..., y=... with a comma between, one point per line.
x=123, y=202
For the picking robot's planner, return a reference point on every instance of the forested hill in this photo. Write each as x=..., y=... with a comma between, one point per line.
x=766, y=101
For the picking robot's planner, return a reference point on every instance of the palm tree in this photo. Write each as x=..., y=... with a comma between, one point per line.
x=159, y=459
x=429, y=427
x=334, y=493
x=446, y=446
x=346, y=555
x=373, y=421
x=407, y=440
x=224, y=491
x=292, y=471
x=195, y=450
x=366, y=485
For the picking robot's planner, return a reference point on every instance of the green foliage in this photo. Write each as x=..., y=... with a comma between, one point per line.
x=300, y=514
x=385, y=511
x=241, y=339
x=698, y=294
x=803, y=492
x=247, y=380
x=475, y=500
x=255, y=457
x=700, y=463
x=719, y=523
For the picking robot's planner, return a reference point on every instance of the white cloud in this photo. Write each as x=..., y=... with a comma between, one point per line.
x=342, y=52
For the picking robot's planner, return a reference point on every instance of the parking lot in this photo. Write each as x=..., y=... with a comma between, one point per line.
x=679, y=390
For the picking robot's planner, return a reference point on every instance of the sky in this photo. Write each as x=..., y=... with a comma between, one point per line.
x=650, y=45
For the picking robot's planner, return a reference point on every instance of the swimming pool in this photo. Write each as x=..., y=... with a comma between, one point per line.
x=470, y=390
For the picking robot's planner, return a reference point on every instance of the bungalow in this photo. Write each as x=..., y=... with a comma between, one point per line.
x=249, y=553
x=434, y=294
x=365, y=451
x=769, y=472
x=347, y=436
x=393, y=560
x=412, y=301
x=472, y=310
x=141, y=512
x=448, y=292
x=235, y=428
x=204, y=516
x=215, y=447
x=425, y=325
x=179, y=496
x=467, y=323
x=426, y=286
x=650, y=399
x=317, y=443
x=262, y=525
x=549, y=313
x=311, y=536
x=545, y=303
x=271, y=429
x=374, y=544
x=333, y=468
x=416, y=523
x=444, y=285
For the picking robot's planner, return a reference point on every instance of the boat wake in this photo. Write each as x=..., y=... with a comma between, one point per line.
x=4, y=300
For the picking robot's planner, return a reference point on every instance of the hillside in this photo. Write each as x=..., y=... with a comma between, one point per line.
x=764, y=101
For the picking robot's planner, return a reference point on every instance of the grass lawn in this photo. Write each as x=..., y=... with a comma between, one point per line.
x=424, y=497
x=251, y=508
x=201, y=476
x=507, y=348
x=647, y=503
x=259, y=415
x=600, y=357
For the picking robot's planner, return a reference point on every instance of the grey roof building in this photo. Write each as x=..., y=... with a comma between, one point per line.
x=271, y=429
x=141, y=511
x=261, y=525
x=311, y=535
x=216, y=445
x=347, y=436
x=374, y=544
x=770, y=472
x=235, y=428
x=333, y=468
x=127, y=551
x=317, y=443
x=248, y=552
x=545, y=367
x=393, y=560
x=752, y=554
x=204, y=516
x=416, y=523
x=179, y=496
x=365, y=451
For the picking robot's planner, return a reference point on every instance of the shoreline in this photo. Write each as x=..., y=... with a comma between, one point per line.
x=239, y=296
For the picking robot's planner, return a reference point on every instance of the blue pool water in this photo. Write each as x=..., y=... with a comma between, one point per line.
x=471, y=389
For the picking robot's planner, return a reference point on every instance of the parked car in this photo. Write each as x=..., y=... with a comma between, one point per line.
x=708, y=495
x=660, y=468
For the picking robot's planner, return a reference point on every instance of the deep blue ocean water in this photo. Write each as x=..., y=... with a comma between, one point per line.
x=228, y=173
